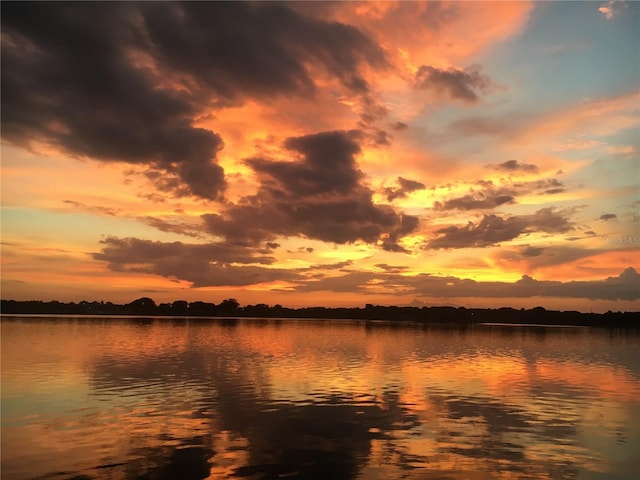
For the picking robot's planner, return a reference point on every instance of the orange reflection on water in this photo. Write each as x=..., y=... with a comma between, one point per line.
x=256, y=398
x=609, y=381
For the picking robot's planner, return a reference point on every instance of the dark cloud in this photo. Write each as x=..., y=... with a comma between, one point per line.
x=398, y=126
x=213, y=264
x=410, y=185
x=585, y=235
x=302, y=250
x=608, y=216
x=493, y=229
x=204, y=265
x=405, y=186
x=180, y=228
x=546, y=186
x=342, y=266
x=458, y=84
x=125, y=81
x=392, y=268
x=321, y=195
x=119, y=252
x=477, y=200
x=492, y=197
x=531, y=251
x=67, y=80
x=372, y=112
x=236, y=48
x=515, y=166
x=375, y=136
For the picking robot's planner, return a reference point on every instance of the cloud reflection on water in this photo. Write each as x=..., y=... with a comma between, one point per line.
x=263, y=400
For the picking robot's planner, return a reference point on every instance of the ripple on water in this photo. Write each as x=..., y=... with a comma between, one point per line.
x=159, y=400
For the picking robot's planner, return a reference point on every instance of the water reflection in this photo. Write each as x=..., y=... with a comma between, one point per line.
x=189, y=399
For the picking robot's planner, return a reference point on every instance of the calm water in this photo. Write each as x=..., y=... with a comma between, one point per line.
x=265, y=399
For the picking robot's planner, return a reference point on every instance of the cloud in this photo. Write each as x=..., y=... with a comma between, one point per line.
x=493, y=229
x=120, y=252
x=392, y=268
x=611, y=8
x=478, y=200
x=608, y=216
x=126, y=82
x=404, y=187
x=67, y=81
x=181, y=228
x=529, y=251
x=204, y=265
x=94, y=209
x=321, y=195
x=458, y=84
x=622, y=287
x=492, y=197
x=548, y=186
x=219, y=264
x=239, y=47
x=212, y=264
x=515, y=166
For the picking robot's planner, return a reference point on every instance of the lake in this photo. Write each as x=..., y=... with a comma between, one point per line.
x=162, y=398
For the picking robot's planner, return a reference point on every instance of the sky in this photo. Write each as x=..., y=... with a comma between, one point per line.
x=475, y=154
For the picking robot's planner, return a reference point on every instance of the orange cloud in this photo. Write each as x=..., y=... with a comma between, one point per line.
x=446, y=33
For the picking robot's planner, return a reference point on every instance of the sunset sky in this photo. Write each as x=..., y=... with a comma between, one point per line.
x=424, y=153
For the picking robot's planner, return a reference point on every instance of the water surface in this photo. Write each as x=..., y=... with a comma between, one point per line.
x=117, y=398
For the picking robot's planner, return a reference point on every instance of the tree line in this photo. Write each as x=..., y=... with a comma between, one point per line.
x=231, y=308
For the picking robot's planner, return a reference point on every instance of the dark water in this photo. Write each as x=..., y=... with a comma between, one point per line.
x=264, y=399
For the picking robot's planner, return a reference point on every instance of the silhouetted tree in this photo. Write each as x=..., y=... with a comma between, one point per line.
x=229, y=306
x=202, y=308
x=180, y=307
x=142, y=306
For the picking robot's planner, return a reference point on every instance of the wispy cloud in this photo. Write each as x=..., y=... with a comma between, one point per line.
x=611, y=8
x=464, y=85
x=515, y=166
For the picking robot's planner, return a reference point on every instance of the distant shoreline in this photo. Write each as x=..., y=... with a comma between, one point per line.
x=146, y=307
x=236, y=318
